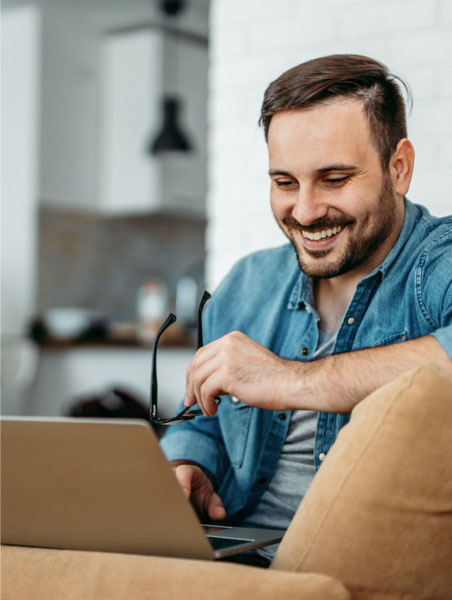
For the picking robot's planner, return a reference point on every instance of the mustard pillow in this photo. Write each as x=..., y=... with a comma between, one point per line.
x=378, y=515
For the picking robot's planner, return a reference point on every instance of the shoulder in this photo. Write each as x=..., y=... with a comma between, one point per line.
x=279, y=255
x=261, y=267
x=253, y=289
x=433, y=270
x=435, y=247
x=429, y=239
x=427, y=226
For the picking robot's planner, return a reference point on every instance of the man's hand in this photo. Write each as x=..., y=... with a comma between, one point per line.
x=236, y=365
x=199, y=489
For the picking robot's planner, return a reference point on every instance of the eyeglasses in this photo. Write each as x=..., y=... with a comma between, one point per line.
x=186, y=414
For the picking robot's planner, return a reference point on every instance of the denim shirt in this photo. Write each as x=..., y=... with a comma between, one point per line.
x=268, y=297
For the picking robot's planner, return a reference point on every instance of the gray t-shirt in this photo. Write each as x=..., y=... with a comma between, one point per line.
x=295, y=469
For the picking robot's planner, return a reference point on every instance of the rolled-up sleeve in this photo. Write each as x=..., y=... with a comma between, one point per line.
x=444, y=337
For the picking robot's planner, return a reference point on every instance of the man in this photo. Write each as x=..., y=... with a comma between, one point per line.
x=297, y=339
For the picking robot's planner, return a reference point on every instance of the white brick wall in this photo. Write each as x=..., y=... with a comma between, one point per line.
x=254, y=41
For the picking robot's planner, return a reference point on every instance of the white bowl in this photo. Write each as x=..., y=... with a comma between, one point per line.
x=67, y=322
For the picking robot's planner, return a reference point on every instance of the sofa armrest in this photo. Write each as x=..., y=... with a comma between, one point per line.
x=42, y=574
x=378, y=515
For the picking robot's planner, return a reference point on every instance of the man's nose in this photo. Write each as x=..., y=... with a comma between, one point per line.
x=308, y=206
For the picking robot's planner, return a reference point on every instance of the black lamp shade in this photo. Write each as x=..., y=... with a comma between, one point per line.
x=172, y=7
x=171, y=138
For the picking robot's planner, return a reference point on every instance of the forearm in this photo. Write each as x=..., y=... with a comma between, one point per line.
x=339, y=382
x=238, y=366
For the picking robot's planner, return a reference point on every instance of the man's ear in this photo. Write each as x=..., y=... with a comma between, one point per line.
x=401, y=166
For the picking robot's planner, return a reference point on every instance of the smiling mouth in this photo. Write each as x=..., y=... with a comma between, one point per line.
x=322, y=234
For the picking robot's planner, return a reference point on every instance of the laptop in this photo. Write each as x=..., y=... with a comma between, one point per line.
x=103, y=485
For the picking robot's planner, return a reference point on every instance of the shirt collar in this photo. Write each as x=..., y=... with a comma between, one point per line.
x=409, y=223
x=302, y=294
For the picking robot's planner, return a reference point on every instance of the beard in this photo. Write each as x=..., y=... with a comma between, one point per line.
x=359, y=247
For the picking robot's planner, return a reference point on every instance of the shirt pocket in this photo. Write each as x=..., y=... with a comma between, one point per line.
x=394, y=338
x=236, y=420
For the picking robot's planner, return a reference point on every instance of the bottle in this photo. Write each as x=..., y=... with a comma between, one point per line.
x=152, y=306
x=187, y=301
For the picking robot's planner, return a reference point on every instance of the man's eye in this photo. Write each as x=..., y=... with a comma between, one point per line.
x=284, y=183
x=336, y=180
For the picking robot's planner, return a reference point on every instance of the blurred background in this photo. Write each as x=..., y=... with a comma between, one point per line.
x=134, y=172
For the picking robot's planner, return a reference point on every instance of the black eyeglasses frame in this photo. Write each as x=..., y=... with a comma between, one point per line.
x=185, y=414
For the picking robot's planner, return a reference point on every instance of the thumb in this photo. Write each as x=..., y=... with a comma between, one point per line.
x=184, y=475
x=215, y=508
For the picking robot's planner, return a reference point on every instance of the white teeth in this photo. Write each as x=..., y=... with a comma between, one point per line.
x=319, y=235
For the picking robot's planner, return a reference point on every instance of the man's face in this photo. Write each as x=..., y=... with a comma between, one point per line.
x=329, y=194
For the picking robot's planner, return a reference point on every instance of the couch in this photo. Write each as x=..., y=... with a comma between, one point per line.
x=376, y=523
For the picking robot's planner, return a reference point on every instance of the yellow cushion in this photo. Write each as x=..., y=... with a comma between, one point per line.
x=378, y=515
x=43, y=574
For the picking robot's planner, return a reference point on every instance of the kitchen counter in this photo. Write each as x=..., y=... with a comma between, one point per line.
x=70, y=371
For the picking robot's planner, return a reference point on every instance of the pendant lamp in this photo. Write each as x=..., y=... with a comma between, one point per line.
x=170, y=138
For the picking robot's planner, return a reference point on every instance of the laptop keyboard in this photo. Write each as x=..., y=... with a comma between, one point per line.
x=218, y=543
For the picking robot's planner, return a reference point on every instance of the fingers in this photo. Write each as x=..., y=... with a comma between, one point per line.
x=184, y=475
x=238, y=366
x=204, y=382
x=207, y=391
x=198, y=362
x=215, y=508
x=199, y=489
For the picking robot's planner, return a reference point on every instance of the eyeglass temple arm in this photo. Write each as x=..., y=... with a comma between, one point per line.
x=171, y=318
x=205, y=297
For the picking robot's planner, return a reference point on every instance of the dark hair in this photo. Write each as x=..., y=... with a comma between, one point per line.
x=344, y=76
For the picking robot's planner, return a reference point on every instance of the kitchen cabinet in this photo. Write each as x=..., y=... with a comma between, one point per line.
x=139, y=68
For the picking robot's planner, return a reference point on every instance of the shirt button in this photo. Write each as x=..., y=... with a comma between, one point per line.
x=351, y=320
x=282, y=417
x=304, y=351
x=322, y=456
x=262, y=480
x=235, y=400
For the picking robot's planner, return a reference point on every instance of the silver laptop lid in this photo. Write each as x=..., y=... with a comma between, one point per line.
x=93, y=484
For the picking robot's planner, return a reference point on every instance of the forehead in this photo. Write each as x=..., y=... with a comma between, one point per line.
x=335, y=132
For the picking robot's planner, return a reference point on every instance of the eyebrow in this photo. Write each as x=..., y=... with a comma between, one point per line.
x=272, y=172
x=338, y=167
x=321, y=171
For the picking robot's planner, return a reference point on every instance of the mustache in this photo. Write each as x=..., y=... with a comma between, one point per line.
x=320, y=224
